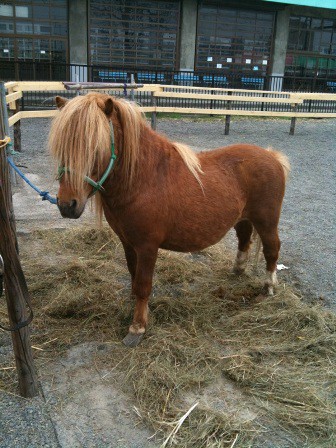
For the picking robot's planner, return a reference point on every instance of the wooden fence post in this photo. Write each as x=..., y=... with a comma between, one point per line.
x=4, y=130
x=154, y=114
x=17, y=295
x=228, y=117
x=293, y=120
x=17, y=129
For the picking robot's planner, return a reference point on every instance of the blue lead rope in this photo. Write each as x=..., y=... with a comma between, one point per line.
x=44, y=194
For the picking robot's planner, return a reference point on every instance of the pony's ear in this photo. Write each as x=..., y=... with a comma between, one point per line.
x=108, y=107
x=60, y=102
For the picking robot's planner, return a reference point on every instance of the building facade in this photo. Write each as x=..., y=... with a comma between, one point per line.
x=246, y=39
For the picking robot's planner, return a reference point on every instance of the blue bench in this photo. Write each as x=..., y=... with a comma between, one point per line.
x=183, y=78
x=253, y=82
x=106, y=75
x=150, y=77
x=216, y=80
x=331, y=86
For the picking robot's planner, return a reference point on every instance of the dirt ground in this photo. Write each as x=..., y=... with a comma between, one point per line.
x=86, y=407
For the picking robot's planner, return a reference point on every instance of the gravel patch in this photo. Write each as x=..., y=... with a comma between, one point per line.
x=25, y=423
x=307, y=231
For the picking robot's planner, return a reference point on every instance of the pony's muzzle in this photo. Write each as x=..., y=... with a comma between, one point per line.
x=69, y=209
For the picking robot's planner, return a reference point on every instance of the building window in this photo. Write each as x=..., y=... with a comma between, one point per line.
x=311, y=50
x=233, y=40
x=142, y=34
x=34, y=30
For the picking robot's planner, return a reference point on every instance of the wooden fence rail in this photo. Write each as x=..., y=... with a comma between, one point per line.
x=233, y=99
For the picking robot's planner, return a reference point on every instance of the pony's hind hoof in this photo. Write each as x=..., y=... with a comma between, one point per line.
x=133, y=339
x=268, y=290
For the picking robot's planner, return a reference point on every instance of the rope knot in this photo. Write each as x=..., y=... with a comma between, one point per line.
x=46, y=197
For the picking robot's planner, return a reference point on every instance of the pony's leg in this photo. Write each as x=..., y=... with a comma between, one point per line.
x=271, y=247
x=131, y=259
x=244, y=231
x=141, y=287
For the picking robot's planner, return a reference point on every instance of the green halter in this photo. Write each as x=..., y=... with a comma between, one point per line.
x=97, y=186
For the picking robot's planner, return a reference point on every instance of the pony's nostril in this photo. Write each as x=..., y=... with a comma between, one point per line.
x=73, y=203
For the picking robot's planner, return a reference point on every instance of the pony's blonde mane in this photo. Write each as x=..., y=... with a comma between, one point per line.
x=131, y=121
x=191, y=160
x=80, y=138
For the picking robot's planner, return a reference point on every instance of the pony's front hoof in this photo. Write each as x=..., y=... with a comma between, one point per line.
x=238, y=270
x=133, y=339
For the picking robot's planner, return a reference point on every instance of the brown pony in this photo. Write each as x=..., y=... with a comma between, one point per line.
x=161, y=194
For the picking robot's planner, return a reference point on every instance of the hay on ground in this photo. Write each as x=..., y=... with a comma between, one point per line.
x=260, y=368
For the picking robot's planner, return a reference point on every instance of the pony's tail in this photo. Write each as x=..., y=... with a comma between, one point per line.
x=283, y=160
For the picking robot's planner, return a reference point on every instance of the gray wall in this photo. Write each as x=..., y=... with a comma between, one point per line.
x=188, y=34
x=280, y=43
x=78, y=32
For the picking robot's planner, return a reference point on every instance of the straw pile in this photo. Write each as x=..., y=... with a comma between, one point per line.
x=220, y=366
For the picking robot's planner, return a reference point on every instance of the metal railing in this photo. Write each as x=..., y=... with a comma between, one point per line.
x=46, y=71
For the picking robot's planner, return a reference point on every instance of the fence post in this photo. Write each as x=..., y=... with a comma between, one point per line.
x=228, y=117
x=17, y=129
x=17, y=294
x=293, y=120
x=4, y=129
x=132, y=90
x=154, y=114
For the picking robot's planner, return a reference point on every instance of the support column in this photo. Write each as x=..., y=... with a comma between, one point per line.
x=280, y=48
x=78, y=39
x=188, y=34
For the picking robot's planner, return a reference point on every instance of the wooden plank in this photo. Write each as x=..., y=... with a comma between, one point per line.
x=31, y=114
x=38, y=113
x=14, y=118
x=206, y=96
x=148, y=109
x=39, y=85
x=10, y=85
x=150, y=88
x=13, y=97
x=10, y=90
x=186, y=110
x=58, y=85
x=314, y=96
x=51, y=113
